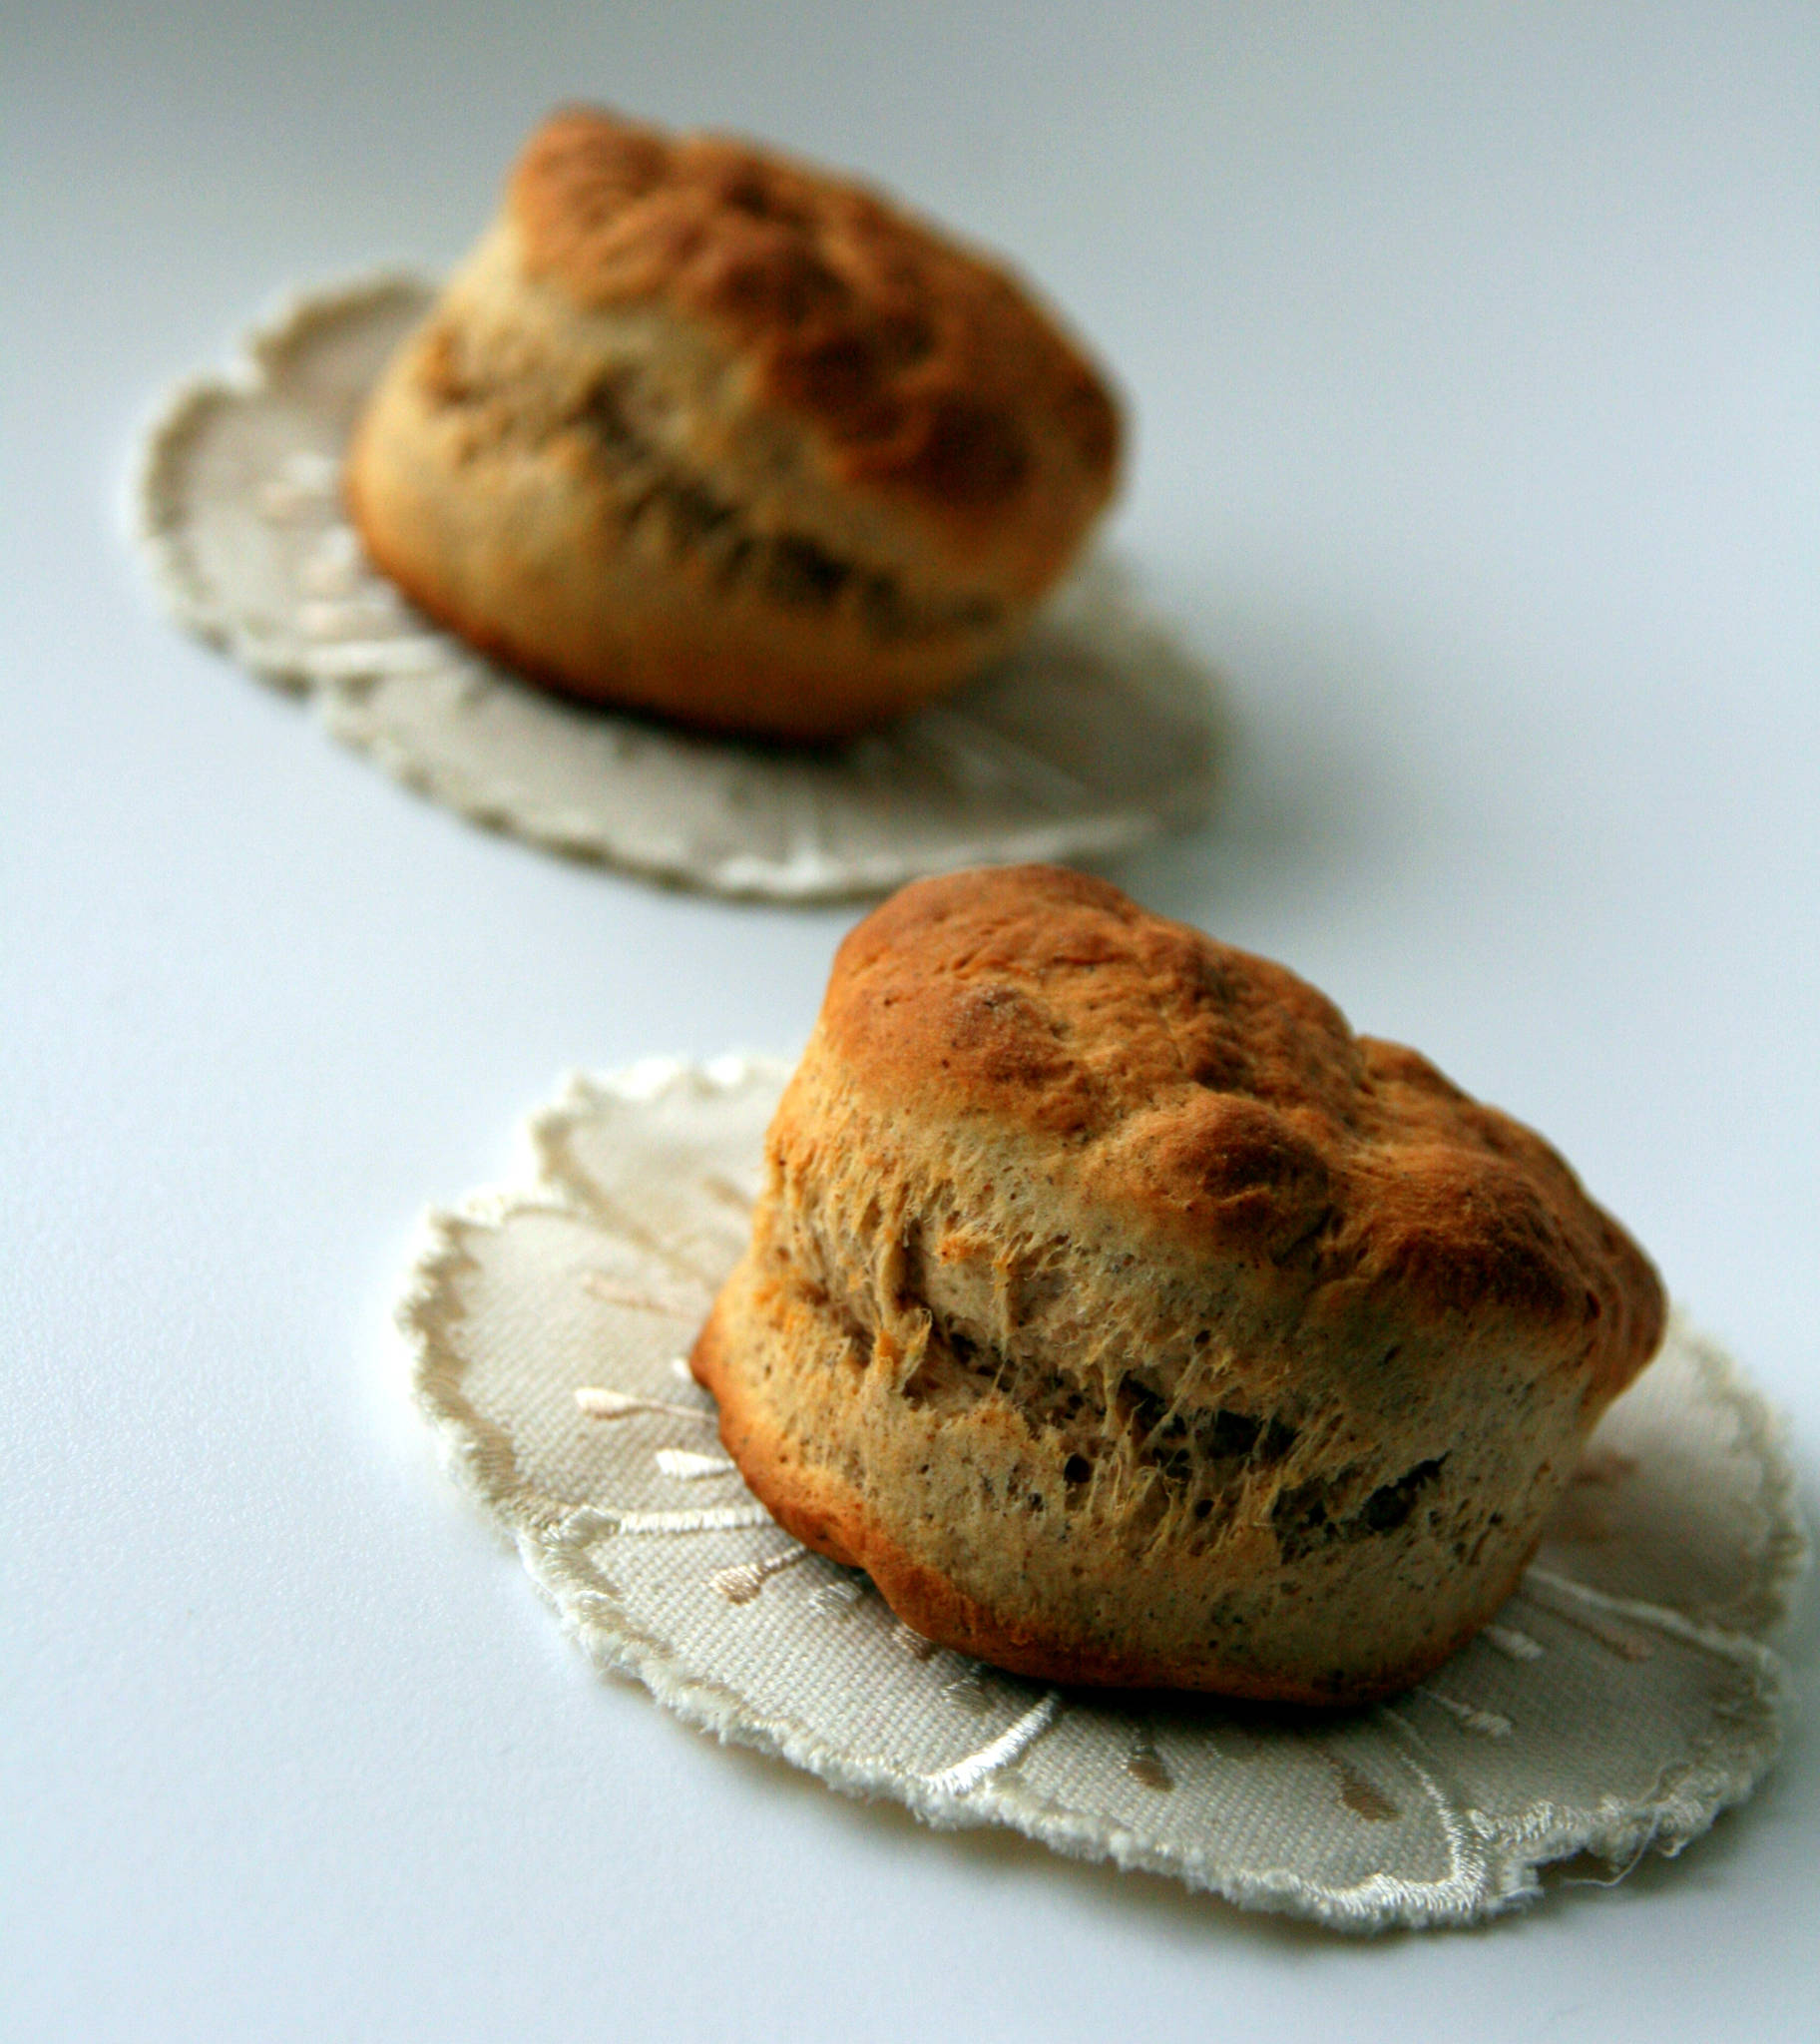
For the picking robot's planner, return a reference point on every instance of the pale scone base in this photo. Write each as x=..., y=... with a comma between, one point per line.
x=1094, y=734
x=1620, y=1699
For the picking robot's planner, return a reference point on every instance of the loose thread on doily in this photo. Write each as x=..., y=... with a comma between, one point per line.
x=1609, y=1880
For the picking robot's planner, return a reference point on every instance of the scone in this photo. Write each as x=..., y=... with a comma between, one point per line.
x=701, y=431
x=1131, y=1322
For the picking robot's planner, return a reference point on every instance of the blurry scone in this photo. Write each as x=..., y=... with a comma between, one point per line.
x=1135, y=1323
x=702, y=432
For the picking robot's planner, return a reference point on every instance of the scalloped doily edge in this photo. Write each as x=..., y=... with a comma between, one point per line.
x=175, y=419
x=1496, y=1872
x=501, y=806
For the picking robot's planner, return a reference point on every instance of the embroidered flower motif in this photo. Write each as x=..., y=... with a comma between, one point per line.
x=1096, y=734
x=1620, y=1699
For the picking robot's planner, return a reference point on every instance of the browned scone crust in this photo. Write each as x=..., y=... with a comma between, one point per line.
x=1134, y=1322
x=699, y=431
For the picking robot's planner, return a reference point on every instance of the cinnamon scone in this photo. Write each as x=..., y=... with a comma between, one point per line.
x=1133, y=1322
x=702, y=432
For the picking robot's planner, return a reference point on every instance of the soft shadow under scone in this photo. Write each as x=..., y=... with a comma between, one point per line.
x=702, y=432
x=1131, y=1322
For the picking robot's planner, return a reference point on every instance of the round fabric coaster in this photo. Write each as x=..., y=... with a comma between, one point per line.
x=1620, y=1700
x=1094, y=734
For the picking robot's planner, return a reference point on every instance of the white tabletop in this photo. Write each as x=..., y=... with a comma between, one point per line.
x=1474, y=355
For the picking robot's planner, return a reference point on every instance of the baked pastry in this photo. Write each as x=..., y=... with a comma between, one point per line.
x=702, y=432
x=1131, y=1322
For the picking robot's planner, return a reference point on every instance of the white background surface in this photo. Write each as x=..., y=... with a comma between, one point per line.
x=1474, y=354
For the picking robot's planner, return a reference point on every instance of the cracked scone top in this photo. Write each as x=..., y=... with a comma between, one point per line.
x=1131, y=1322
x=703, y=432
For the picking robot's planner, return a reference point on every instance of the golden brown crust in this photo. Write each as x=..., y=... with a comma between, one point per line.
x=1222, y=1098
x=921, y=365
x=1134, y=1322
x=697, y=432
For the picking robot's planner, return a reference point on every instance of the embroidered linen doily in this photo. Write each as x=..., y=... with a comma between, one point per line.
x=1094, y=734
x=1621, y=1698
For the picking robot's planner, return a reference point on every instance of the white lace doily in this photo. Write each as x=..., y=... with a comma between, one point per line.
x=1620, y=1700
x=1092, y=737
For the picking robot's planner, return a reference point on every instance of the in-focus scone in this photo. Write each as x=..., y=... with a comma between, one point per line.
x=702, y=432
x=1133, y=1322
